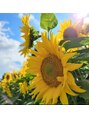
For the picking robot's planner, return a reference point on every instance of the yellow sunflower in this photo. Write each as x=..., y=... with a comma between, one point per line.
x=53, y=72
x=8, y=91
x=8, y=77
x=5, y=86
x=69, y=30
x=23, y=70
x=23, y=87
x=25, y=29
x=15, y=75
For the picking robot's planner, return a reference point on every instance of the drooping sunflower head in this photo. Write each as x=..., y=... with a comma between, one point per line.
x=25, y=29
x=53, y=72
x=69, y=30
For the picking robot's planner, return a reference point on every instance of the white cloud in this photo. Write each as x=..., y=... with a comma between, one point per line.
x=36, y=22
x=10, y=59
x=20, y=15
x=32, y=18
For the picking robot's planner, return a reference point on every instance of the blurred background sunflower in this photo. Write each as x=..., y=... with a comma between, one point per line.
x=70, y=30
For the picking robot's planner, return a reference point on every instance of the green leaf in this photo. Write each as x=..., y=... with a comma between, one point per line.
x=85, y=41
x=83, y=50
x=75, y=42
x=34, y=35
x=48, y=21
x=85, y=85
x=70, y=44
x=84, y=56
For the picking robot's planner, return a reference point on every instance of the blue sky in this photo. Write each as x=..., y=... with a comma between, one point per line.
x=10, y=38
x=15, y=22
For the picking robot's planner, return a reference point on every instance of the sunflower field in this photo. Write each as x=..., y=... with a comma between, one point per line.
x=56, y=70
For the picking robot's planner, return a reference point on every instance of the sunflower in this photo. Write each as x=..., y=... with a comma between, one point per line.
x=15, y=76
x=8, y=77
x=23, y=70
x=53, y=72
x=25, y=29
x=69, y=30
x=23, y=87
x=5, y=84
x=8, y=91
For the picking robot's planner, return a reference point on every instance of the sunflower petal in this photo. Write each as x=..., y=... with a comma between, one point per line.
x=67, y=57
x=57, y=94
x=73, y=85
x=72, y=66
x=63, y=98
x=77, y=89
x=48, y=95
x=71, y=79
x=25, y=20
x=69, y=91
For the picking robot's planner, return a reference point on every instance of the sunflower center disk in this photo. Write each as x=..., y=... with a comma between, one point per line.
x=7, y=77
x=70, y=32
x=51, y=68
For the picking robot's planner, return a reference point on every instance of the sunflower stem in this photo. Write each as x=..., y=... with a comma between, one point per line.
x=48, y=33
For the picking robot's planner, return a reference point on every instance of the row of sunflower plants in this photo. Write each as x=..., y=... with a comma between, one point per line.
x=14, y=87
x=56, y=70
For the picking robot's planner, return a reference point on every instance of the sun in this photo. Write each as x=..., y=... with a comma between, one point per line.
x=53, y=72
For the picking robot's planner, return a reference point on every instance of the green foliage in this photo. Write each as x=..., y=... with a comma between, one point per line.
x=23, y=99
x=48, y=21
x=75, y=42
x=27, y=78
x=83, y=55
x=34, y=35
x=85, y=85
x=83, y=51
x=4, y=100
x=17, y=98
